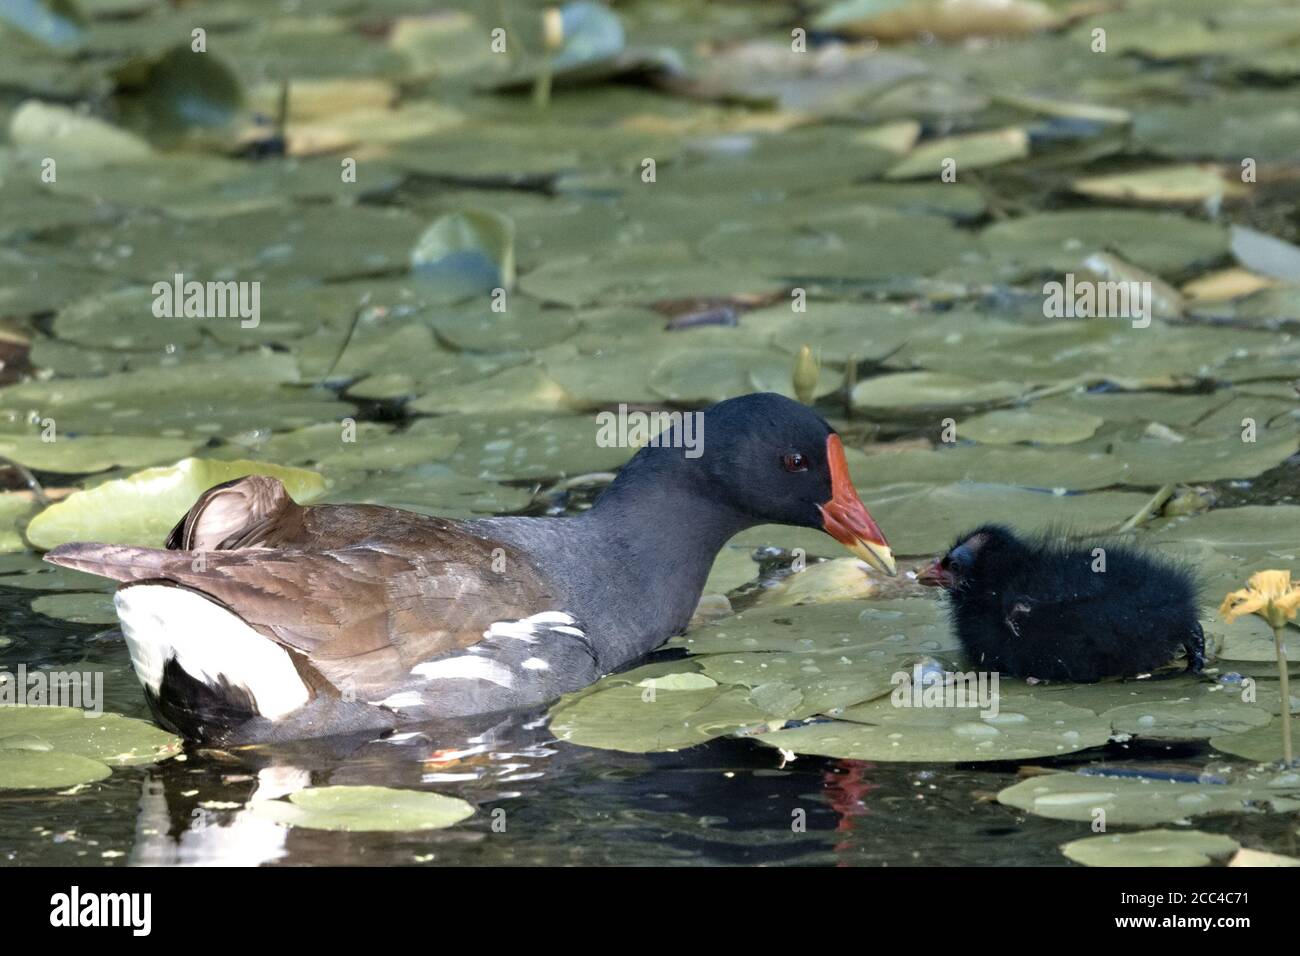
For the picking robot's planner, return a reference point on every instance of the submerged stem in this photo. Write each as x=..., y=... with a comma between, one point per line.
x=1284, y=686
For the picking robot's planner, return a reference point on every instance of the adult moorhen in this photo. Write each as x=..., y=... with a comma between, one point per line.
x=1042, y=608
x=267, y=620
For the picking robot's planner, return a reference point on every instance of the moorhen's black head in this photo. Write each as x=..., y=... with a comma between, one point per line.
x=977, y=561
x=769, y=459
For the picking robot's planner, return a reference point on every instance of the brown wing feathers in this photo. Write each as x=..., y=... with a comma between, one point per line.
x=364, y=613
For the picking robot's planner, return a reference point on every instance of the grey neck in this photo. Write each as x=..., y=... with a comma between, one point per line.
x=631, y=569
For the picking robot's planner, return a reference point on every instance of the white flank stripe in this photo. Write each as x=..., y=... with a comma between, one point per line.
x=466, y=668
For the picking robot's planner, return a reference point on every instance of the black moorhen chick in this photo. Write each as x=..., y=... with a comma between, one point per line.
x=265, y=620
x=1039, y=609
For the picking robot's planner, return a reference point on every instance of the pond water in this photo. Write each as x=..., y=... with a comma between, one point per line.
x=446, y=258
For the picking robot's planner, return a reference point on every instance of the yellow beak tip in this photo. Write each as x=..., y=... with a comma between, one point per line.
x=878, y=556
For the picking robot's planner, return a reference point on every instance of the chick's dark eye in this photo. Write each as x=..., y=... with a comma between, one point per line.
x=793, y=461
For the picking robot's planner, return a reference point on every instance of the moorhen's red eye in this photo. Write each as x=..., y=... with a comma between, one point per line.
x=793, y=461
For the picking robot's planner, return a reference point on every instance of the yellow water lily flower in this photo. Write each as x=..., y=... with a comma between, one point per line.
x=1270, y=594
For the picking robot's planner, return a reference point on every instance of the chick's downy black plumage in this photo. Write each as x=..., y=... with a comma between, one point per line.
x=1044, y=608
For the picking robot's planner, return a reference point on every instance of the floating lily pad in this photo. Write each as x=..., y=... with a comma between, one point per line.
x=466, y=253
x=52, y=770
x=840, y=579
x=1262, y=744
x=1012, y=425
x=430, y=489
x=1022, y=729
x=1163, y=185
x=108, y=738
x=930, y=390
x=73, y=139
x=1143, y=802
x=342, y=446
x=141, y=509
x=1199, y=717
x=991, y=464
x=365, y=810
x=1059, y=241
x=1155, y=462
x=645, y=719
x=825, y=682
x=501, y=447
x=15, y=509
x=882, y=629
x=731, y=568
x=1249, y=531
x=971, y=151
x=524, y=388
x=923, y=519
x=1151, y=848
x=238, y=393
x=77, y=608
x=80, y=454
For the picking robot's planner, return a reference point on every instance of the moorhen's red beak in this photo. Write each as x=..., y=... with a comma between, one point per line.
x=846, y=518
x=935, y=576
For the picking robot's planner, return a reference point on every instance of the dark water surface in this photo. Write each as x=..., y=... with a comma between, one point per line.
x=542, y=801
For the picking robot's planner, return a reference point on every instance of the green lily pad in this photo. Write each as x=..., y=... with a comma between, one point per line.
x=1198, y=717
x=73, y=139
x=1013, y=425
x=1251, y=531
x=143, y=508
x=882, y=630
x=250, y=391
x=336, y=447
x=1171, y=185
x=1151, y=848
x=365, y=810
x=1262, y=744
x=108, y=738
x=839, y=579
x=731, y=568
x=81, y=454
x=77, y=608
x=1152, y=461
x=930, y=390
x=825, y=681
x=180, y=90
x=923, y=519
x=1067, y=469
x=15, y=509
x=830, y=246
x=646, y=719
x=52, y=770
x=524, y=388
x=969, y=151
x=1023, y=728
x=503, y=447
x=1129, y=801
x=429, y=489
x=1060, y=241
x=687, y=680
x=466, y=253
